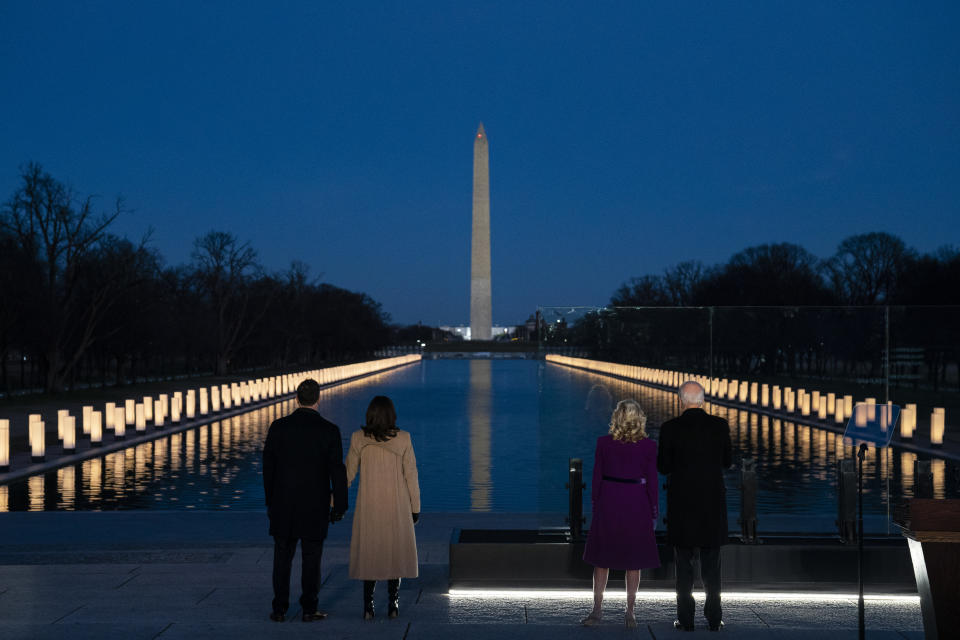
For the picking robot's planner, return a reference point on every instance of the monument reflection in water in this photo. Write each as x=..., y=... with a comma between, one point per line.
x=489, y=436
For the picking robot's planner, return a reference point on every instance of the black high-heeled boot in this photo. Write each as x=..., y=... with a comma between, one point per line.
x=368, y=588
x=393, y=598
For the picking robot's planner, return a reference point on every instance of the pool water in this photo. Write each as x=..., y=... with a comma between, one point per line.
x=489, y=435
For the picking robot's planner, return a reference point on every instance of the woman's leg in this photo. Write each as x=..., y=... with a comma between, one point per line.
x=632, y=578
x=600, y=576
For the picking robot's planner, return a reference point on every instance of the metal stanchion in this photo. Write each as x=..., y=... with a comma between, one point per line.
x=575, y=487
x=748, y=501
x=846, y=500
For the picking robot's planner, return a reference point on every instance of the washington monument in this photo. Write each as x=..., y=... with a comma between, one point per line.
x=481, y=313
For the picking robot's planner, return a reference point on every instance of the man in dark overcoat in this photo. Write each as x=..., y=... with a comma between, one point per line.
x=693, y=451
x=302, y=468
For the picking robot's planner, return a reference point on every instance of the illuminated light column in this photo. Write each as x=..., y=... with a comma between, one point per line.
x=70, y=434
x=96, y=428
x=815, y=400
x=157, y=415
x=204, y=401
x=733, y=390
x=744, y=392
x=847, y=406
x=245, y=392
x=4, y=445
x=789, y=400
x=777, y=398
x=119, y=423
x=908, y=422
x=937, y=426
x=226, y=397
x=215, y=399
x=191, y=408
x=61, y=420
x=38, y=435
x=175, y=407
x=822, y=409
x=871, y=409
x=481, y=308
x=130, y=412
x=164, y=404
x=831, y=402
x=148, y=408
x=140, y=417
x=765, y=395
x=838, y=413
x=87, y=412
x=804, y=402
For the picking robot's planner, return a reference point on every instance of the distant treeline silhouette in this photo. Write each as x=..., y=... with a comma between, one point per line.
x=81, y=305
x=776, y=310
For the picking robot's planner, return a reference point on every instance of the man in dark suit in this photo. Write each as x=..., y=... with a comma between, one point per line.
x=302, y=467
x=693, y=451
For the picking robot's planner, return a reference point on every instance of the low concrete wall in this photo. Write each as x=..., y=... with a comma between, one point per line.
x=524, y=558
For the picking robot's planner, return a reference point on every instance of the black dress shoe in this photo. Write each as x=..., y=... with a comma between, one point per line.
x=682, y=627
x=716, y=627
x=314, y=616
x=278, y=616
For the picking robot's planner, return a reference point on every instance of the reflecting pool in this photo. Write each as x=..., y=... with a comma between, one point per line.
x=489, y=435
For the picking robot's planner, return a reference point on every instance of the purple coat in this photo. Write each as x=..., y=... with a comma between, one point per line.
x=621, y=532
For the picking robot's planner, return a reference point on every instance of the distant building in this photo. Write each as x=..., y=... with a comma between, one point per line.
x=464, y=332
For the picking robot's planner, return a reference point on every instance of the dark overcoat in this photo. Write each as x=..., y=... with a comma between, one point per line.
x=694, y=450
x=302, y=468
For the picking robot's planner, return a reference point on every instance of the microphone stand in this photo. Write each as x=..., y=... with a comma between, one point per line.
x=861, y=625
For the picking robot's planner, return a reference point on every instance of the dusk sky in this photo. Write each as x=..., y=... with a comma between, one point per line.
x=624, y=137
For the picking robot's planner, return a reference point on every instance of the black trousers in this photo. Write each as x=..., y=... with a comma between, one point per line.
x=283, y=552
x=685, y=558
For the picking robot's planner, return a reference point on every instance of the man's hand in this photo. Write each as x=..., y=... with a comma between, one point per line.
x=416, y=517
x=335, y=516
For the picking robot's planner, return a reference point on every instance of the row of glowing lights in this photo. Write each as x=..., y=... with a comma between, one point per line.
x=203, y=401
x=110, y=472
x=764, y=395
x=665, y=595
x=816, y=444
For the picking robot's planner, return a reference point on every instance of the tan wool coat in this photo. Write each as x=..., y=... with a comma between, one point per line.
x=383, y=545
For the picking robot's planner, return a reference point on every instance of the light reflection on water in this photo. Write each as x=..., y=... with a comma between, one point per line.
x=489, y=436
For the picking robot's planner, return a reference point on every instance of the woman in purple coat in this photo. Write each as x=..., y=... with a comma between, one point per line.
x=625, y=507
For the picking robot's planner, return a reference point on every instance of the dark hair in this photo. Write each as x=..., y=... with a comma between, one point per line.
x=381, y=419
x=308, y=392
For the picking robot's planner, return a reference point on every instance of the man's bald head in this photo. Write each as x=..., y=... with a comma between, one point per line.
x=691, y=395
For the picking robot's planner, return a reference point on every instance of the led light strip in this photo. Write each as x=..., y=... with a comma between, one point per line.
x=755, y=596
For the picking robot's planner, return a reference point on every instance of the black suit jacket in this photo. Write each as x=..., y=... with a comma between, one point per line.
x=693, y=451
x=302, y=467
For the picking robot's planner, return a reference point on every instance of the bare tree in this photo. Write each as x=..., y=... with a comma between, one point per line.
x=227, y=274
x=61, y=233
x=682, y=282
x=866, y=267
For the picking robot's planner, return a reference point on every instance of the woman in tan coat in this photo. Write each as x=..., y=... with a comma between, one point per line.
x=383, y=545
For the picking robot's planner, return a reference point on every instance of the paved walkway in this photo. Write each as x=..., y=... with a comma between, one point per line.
x=150, y=574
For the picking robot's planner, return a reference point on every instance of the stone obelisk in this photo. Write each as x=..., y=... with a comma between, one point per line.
x=481, y=313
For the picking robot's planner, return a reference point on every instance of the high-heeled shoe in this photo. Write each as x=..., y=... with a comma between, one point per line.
x=369, y=586
x=393, y=598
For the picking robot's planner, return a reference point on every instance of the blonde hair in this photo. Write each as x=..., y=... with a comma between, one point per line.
x=629, y=422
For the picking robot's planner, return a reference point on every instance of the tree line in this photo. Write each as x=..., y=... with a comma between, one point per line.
x=82, y=305
x=778, y=310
